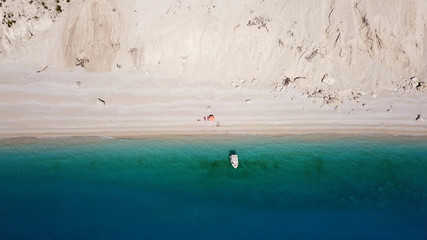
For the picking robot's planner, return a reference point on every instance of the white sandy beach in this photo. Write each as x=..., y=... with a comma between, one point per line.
x=263, y=67
x=50, y=103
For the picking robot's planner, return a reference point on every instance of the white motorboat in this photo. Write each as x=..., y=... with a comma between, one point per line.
x=234, y=160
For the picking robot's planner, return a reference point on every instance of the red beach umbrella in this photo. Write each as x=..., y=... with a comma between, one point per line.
x=211, y=118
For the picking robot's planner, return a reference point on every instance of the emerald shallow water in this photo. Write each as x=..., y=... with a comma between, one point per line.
x=299, y=187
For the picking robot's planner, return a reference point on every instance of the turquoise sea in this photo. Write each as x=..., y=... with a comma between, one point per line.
x=183, y=187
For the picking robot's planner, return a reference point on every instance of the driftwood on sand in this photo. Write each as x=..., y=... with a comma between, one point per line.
x=39, y=71
x=101, y=100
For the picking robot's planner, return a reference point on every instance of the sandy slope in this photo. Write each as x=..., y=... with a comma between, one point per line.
x=319, y=65
x=361, y=44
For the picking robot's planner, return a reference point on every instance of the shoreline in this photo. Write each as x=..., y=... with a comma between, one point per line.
x=131, y=133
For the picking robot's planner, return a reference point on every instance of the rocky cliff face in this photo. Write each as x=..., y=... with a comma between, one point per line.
x=326, y=48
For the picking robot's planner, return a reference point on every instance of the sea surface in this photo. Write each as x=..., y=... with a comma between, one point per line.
x=184, y=187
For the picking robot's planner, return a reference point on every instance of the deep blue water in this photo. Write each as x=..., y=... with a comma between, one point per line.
x=293, y=187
